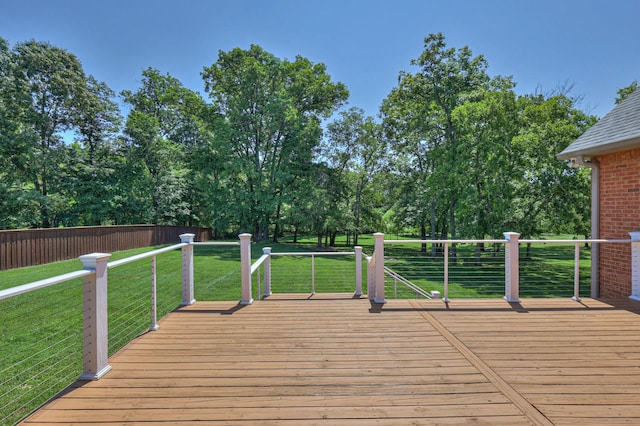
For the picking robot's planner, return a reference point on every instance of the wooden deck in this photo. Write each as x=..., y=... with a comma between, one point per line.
x=334, y=360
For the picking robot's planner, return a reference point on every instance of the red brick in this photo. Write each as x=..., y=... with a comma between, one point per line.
x=619, y=215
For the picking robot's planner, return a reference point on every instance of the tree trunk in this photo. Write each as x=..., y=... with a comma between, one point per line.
x=434, y=250
x=478, y=254
x=357, y=211
x=277, y=230
x=319, y=244
x=423, y=236
x=452, y=226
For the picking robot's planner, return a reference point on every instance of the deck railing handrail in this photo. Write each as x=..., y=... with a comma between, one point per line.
x=580, y=241
x=258, y=263
x=216, y=243
x=313, y=253
x=497, y=241
x=153, y=253
x=36, y=285
x=458, y=241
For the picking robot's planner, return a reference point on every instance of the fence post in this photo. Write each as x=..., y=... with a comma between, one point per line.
x=358, y=291
x=512, y=267
x=378, y=252
x=635, y=265
x=95, y=340
x=267, y=272
x=188, y=296
x=245, y=268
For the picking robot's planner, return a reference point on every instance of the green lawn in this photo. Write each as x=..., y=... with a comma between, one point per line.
x=40, y=332
x=546, y=272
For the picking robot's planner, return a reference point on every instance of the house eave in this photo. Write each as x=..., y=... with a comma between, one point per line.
x=610, y=148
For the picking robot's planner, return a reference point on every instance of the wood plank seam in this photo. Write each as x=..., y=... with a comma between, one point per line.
x=518, y=400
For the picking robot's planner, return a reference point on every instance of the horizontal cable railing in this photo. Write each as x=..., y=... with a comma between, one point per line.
x=41, y=356
x=222, y=283
x=40, y=343
x=483, y=268
x=301, y=272
x=469, y=273
x=140, y=292
x=557, y=267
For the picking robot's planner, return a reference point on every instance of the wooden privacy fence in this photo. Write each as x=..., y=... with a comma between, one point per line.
x=28, y=247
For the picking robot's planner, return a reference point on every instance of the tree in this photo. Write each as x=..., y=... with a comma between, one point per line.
x=626, y=91
x=90, y=178
x=486, y=128
x=548, y=193
x=357, y=149
x=266, y=126
x=160, y=130
x=447, y=78
x=18, y=209
x=41, y=104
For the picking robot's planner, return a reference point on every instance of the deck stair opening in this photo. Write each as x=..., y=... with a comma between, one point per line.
x=397, y=278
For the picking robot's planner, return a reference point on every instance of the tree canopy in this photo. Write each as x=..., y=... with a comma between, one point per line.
x=269, y=147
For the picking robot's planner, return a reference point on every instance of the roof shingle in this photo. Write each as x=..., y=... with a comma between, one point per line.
x=618, y=130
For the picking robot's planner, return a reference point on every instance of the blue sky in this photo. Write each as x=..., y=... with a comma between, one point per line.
x=591, y=45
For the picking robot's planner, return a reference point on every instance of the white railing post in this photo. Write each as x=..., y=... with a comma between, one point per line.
x=245, y=268
x=371, y=277
x=267, y=271
x=635, y=265
x=95, y=339
x=446, y=272
x=188, y=296
x=313, y=275
x=358, y=250
x=512, y=267
x=154, y=296
x=378, y=252
x=576, y=272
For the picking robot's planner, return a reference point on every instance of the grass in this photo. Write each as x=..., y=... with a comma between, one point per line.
x=40, y=332
x=547, y=272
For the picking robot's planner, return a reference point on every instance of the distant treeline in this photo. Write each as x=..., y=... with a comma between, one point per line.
x=454, y=151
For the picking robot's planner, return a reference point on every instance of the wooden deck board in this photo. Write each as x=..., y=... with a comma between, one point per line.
x=288, y=360
x=575, y=362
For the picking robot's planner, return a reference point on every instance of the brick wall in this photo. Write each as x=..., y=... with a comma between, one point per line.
x=619, y=215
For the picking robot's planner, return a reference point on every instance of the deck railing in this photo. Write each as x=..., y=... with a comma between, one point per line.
x=384, y=262
x=16, y=395
x=492, y=275
x=310, y=277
